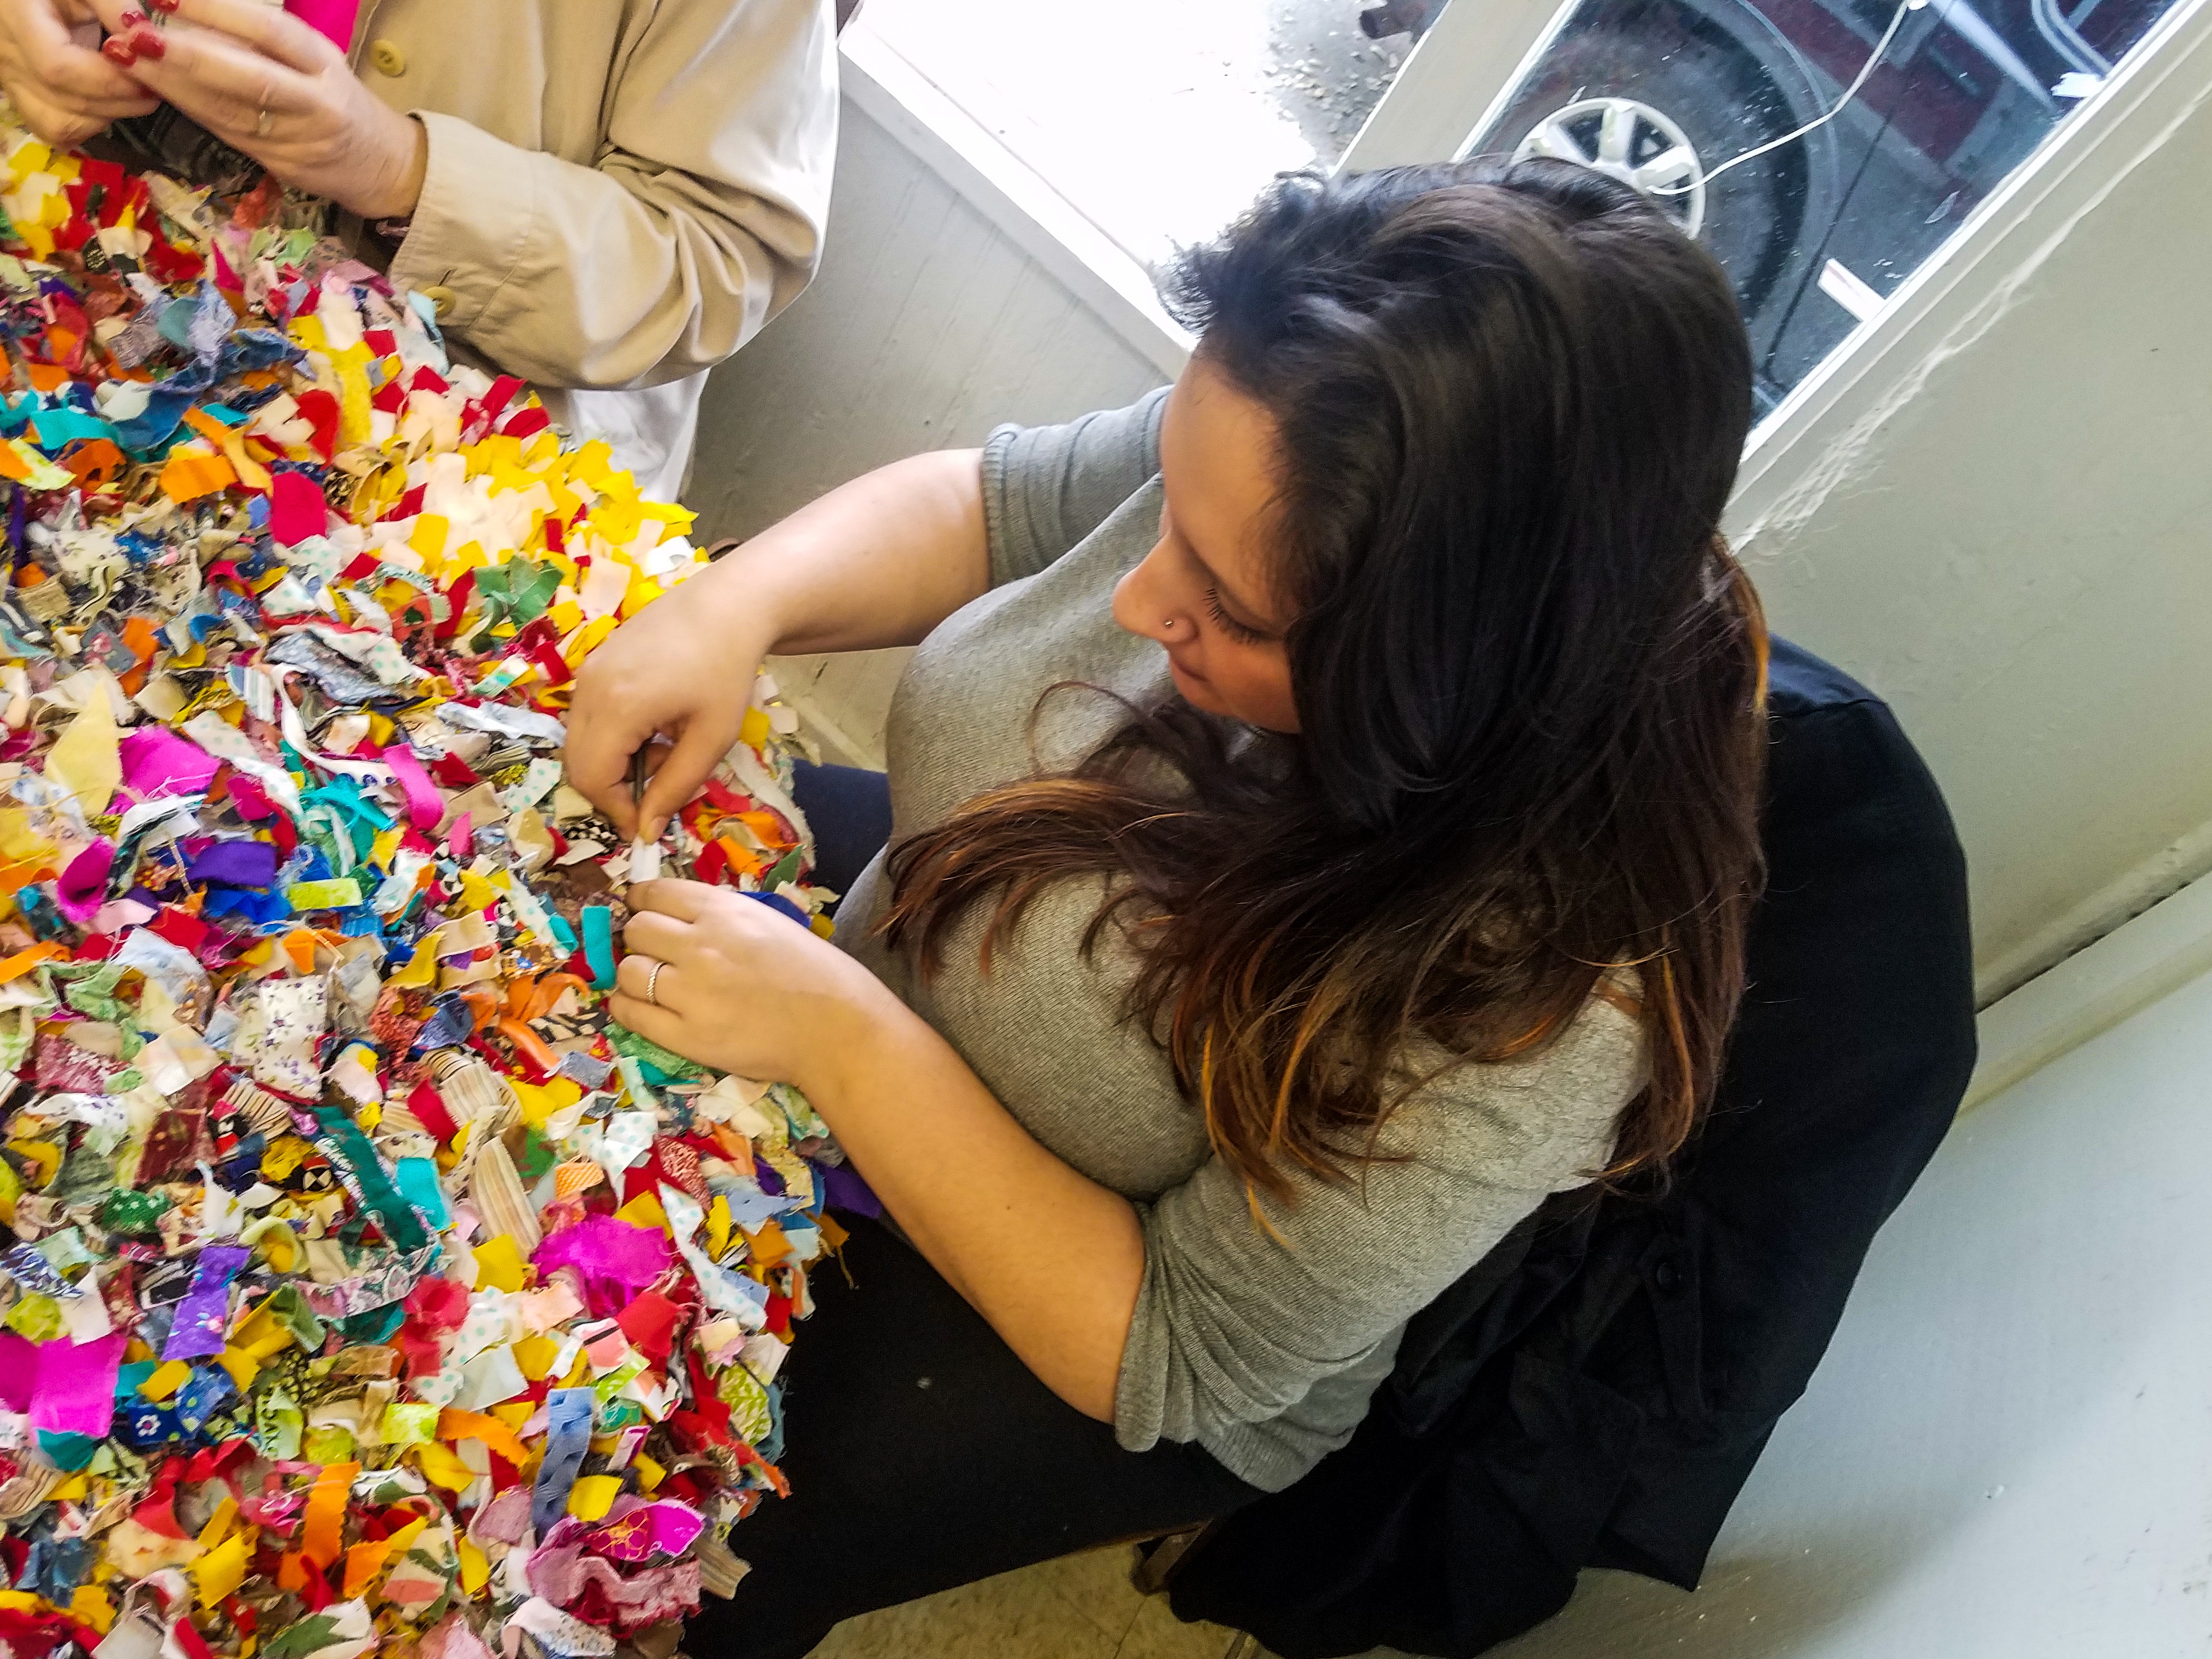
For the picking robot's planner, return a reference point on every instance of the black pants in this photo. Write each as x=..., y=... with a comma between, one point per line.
x=922, y=1453
x=849, y=811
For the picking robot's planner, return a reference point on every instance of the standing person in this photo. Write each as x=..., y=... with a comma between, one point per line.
x=607, y=199
x=1325, y=821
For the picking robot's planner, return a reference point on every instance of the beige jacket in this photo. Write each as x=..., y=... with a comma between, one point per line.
x=621, y=193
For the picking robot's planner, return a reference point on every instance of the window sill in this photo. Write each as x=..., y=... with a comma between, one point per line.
x=1025, y=208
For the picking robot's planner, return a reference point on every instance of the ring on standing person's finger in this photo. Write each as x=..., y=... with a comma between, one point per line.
x=651, y=981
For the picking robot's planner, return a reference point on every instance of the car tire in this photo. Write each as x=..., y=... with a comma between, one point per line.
x=1702, y=73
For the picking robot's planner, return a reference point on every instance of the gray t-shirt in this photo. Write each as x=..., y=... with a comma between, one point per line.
x=1265, y=1351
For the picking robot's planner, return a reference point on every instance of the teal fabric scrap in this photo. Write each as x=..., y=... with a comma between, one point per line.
x=418, y=1185
x=399, y=1221
x=375, y=1325
x=68, y=1452
x=55, y=429
x=599, y=921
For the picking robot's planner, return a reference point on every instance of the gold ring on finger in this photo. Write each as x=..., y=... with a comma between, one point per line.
x=651, y=980
x=261, y=126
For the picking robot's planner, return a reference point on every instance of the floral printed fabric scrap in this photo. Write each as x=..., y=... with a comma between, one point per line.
x=363, y=1284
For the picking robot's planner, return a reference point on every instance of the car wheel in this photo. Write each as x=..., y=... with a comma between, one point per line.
x=1632, y=141
x=1660, y=95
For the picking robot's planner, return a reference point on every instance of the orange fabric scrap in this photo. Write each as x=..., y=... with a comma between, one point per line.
x=455, y=1425
x=23, y=961
x=187, y=476
x=94, y=461
x=322, y=1528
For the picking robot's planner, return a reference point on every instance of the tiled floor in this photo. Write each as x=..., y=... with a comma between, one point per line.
x=1081, y=1607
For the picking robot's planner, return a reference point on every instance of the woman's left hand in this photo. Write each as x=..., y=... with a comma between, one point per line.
x=272, y=88
x=740, y=985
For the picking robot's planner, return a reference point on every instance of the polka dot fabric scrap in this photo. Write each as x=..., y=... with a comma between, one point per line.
x=364, y=1286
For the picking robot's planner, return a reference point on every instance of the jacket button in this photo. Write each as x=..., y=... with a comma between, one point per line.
x=442, y=297
x=388, y=59
x=1668, y=1277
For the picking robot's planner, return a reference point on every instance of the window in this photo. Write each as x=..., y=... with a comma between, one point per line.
x=1815, y=230
x=1824, y=150
x=1157, y=120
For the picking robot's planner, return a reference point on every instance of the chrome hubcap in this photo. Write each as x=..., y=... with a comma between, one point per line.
x=1632, y=141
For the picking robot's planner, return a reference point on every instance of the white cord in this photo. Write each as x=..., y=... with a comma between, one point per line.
x=1849, y=93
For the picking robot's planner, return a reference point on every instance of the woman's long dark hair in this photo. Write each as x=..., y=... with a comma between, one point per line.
x=1510, y=400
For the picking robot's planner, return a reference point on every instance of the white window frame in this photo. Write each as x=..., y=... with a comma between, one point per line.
x=1473, y=57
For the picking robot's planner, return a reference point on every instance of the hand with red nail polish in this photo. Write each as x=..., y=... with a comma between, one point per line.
x=54, y=69
x=274, y=88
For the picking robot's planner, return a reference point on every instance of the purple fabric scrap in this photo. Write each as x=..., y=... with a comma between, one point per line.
x=235, y=863
x=843, y=1189
x=204, y=1317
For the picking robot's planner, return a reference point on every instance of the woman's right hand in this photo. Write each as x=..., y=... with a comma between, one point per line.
x=877, y=561
x=683, y=670
x=51, y=72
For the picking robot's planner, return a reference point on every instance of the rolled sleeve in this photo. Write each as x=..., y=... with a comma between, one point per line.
x=466, y=240
x=702, y=217
x=1235, y=1327
x=1046, y=487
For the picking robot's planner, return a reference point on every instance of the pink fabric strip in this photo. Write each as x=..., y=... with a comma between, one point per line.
x=297, y=509
x=424, y=806
x=156, y=761
x=334, y=18
x=76, y=1390
x=83, y=886
x=19, y=1370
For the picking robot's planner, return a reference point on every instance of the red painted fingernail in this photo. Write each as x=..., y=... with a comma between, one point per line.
x=133, y=17
x=117, y=50
x=167, y=5
x=147, y=44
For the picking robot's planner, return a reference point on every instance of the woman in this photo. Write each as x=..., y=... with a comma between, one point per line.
x=605, y=199
x=1382, y=870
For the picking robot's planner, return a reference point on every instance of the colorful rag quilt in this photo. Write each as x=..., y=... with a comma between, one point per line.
x=363, y=1284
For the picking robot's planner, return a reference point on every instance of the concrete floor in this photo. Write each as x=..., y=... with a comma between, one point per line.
x=1082, y=1606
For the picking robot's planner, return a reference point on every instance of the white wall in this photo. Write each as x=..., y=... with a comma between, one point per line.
x=926, y=327
x=2004, y=1455
x=2019, y=556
